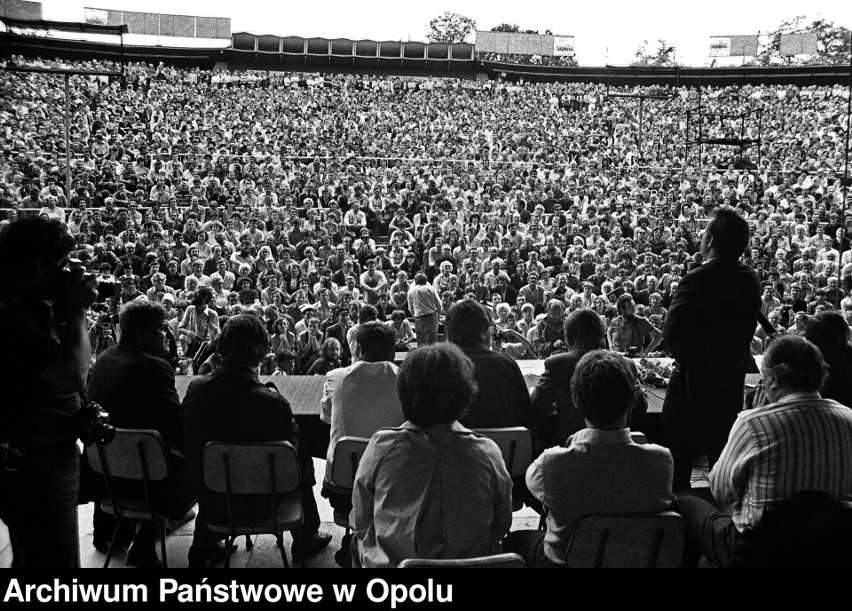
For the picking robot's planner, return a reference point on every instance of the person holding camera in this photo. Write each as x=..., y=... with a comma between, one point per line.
x=43, y=299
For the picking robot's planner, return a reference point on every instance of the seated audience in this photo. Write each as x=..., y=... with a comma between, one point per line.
x=232, y=405
x=798, y=442
x=600, y=469
x=358, y=401
x=829, y=332
x=430, y=488
x=135, y=384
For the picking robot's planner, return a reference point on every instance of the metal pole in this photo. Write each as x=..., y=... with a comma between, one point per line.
x=67, y=139
x=641, y=119
x=845, y=175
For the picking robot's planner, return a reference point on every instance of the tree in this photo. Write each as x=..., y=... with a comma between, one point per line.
x=506, y=27
x=832, y=44
x=450, y=28
x=662, y=57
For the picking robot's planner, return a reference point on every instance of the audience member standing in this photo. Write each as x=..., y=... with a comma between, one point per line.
x=424, y=303
x=709, y=329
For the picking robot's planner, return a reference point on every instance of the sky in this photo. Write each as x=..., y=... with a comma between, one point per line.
x=606, y=33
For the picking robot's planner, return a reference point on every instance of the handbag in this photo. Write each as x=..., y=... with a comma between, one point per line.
x=193, y=346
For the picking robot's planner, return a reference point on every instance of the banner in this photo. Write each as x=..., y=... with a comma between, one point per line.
x=563, y=46
x=720, y=46
x=95, y=16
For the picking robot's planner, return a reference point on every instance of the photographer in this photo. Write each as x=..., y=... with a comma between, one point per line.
x=43, y=300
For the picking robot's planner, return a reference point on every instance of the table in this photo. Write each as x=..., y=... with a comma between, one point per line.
x=304, y=394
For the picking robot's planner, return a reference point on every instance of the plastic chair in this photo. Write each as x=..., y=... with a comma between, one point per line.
x=627, y=540
x=515, y=445
x=347, y=457
x=138, y=455
x=498, y=561
x=268, y=469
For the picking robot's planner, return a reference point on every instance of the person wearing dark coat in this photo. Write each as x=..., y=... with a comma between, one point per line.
x=232, y=405
x=709, y=329
x=135, y=384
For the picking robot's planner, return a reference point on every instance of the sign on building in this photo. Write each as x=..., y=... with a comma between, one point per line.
x=563, y=46
x=95, y=16
x=733, y=46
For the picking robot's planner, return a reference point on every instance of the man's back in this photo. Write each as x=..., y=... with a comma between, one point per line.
x=233, y=406
x=137, y=389
x=503, y=399
x=359, y=400
x=779, y=450
x=711, y=321
x=598, y=472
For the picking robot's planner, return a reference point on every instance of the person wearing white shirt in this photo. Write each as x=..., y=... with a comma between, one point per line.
x=359, y=400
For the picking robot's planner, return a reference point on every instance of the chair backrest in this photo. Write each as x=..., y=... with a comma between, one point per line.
x=132, y=454
x=347, y=456
x=498, y=561
x=809, y=530
x=251, y=468
x=624, y=540
x=515, y=445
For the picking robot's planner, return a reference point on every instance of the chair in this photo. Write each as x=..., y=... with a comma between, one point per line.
x=625, y=540
x=515, y=445
x=347, y=456
x=138, y=455
x=809, y=530
x=266, y=469
x=498, y=561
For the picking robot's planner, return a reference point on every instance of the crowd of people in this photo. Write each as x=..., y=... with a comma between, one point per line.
x=302, y=194
x=534, y=59
x=317, y=224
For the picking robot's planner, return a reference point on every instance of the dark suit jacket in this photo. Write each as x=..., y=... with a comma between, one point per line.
x=138, y=391
x=231, y=405
x=554, y=389
x=709, y=328
x=503, y=399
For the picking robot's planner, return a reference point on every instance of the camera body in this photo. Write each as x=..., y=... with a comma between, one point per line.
x=93, y=426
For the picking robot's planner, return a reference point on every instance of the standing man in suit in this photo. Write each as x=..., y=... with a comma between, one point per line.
x=709, y=329
x=135, y=384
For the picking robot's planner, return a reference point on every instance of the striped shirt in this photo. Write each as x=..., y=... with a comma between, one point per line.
x=773, y=452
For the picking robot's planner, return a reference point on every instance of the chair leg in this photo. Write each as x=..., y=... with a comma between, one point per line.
x=162, y=524
x=112, y=542
x=228, y=551
x=249, y=542
x=297, y=534
x=279, y=539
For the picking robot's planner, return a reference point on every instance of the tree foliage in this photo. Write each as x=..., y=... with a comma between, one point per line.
x=450, y=28
x=513, y=28
x=833, y=44
x=661, y=57
x=507, y=27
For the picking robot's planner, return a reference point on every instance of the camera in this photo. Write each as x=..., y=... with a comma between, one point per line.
x=93, y=425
